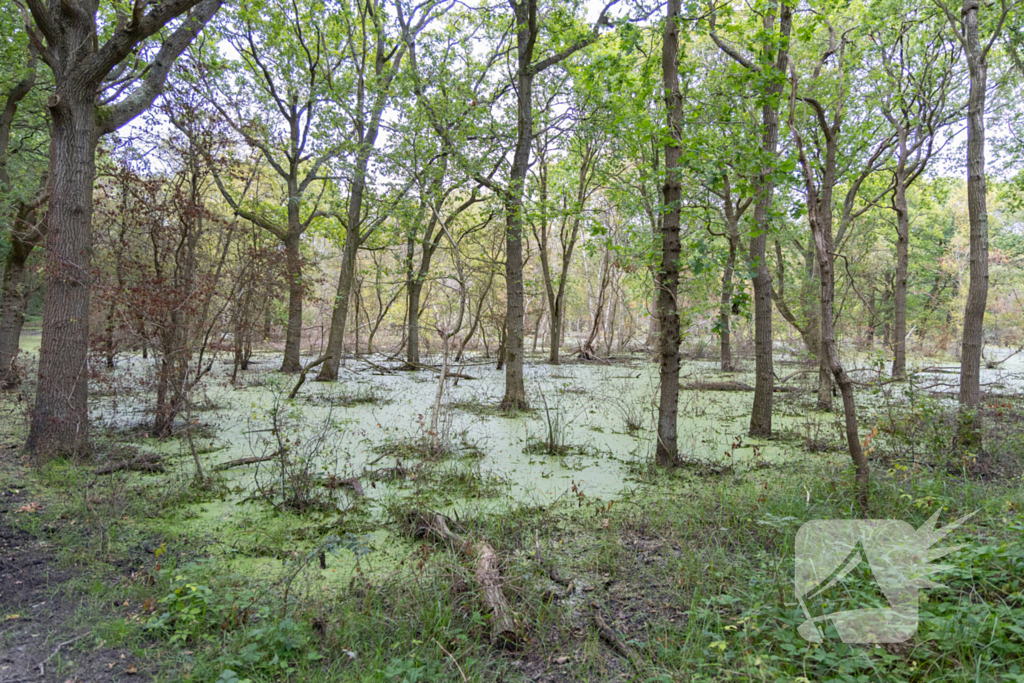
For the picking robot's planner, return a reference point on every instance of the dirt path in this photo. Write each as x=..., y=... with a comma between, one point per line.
x=41, y=636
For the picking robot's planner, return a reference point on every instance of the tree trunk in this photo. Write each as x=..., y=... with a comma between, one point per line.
x=829, y=351
x=872, y=316
x=764, y=372
x=293, y=265
x=899, y=203
x=13, y=300
x=977, y=292
x=413, y=317
x=336, y=338
x=667, y=449
x=725, y=309
x=60, y=418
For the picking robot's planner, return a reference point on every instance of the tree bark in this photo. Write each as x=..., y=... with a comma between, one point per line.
x=667, y=448
x=60, y=419
x=764, y=188
x=899, y=203
x=977, y=292
x=293, y=266
x=13, y=301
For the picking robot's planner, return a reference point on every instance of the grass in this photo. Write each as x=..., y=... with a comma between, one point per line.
x=693, y=572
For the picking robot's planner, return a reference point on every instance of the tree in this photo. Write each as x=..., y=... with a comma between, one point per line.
x=97, y=90
x=376, y=65
x=22, y=214
x=919, y=77
x=968, y=34
x=281, y=108
x=769, y=70
x=667, y=449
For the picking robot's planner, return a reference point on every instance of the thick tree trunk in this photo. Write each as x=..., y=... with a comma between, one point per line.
x=977, y=292
x=899, y=202
x=60, y=418
x=515, y=386
x=556, y=333
x=293, y=264
x=13, y=300
x=667, y=449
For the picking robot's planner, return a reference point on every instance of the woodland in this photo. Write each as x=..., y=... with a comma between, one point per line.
x=506, y=340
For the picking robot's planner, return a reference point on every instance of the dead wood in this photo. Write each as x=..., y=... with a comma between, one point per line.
x=333, y=482
x=247, y=461
x=449, y=373
x=143, y=463
x=305, y=370
x=609, y=636
x=488, y=574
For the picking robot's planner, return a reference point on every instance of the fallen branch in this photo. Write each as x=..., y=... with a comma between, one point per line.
x=730, y=386
x=143, y=463
x=609, y=636
x=247, y=461
x=302, y=375
x=488, y=574
x=449, y=373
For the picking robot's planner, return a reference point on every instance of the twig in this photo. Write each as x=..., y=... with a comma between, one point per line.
x=42, y=667
x=461, y=672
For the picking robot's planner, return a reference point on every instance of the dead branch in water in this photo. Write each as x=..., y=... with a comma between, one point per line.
x=252, y=460
x=305, y=369
x=488, y=573
x=143, y=463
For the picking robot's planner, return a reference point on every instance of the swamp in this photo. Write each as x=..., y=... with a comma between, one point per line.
x=525, y=341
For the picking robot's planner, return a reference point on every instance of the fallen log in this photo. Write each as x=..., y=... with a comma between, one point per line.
x=609, y=636
x=488, y=574
x=449, y=373
x=247, y=461
x=143, y=463
x=730, y=386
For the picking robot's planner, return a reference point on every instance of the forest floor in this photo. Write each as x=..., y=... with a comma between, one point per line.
x=678, y=576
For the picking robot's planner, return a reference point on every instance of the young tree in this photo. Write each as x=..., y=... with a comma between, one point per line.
x=768, y=69
x=666, y=452
x=919, y=77
x=284, y=82
x=966, y=28
x=376, y=64
x=97, y=90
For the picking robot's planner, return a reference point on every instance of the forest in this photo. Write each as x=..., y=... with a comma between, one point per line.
x=512, y=340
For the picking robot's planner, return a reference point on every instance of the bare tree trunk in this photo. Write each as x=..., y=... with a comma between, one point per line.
x=872, y=317
x=667, y=448
x=604, y=277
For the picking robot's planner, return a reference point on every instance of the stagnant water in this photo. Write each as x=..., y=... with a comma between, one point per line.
x=604, y=415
